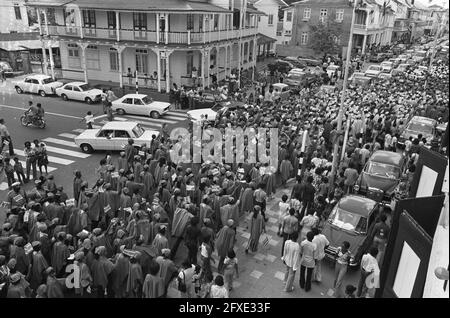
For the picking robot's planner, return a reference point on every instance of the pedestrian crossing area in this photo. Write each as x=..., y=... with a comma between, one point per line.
x=62, y=150
x=171, y=118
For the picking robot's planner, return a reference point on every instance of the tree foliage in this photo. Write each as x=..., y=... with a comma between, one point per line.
x=324, y=37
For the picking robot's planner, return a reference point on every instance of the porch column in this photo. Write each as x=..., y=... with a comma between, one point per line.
x=120, y=49
x=46, y=21
x=81, y=23
x=226, y=60
x=205, y=16
x=44, y=52
x=363, y=50
x=208, y=62
x=219, y=25
x=157, y=27
x=166, y=31
x=168, y=53
x=159, y=69
x=118, y=27
x=83, y=59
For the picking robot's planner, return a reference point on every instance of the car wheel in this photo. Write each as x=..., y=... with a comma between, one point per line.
x=19, y=90
x=120, y=111
x=64, y=97
x=154, y=114
x=88, y=100
x=86, y=148
x=42, y=93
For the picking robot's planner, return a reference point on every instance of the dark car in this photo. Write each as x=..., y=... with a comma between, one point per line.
x=280, y=66
x=380, y=175
x=207, y=100
x=377, y=58
x=350, y=221
x=418, y=125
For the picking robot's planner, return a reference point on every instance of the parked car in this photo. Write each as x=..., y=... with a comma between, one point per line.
x=113, y=136
x=418, y=125
x=79, y=91
x=7, y=69
x=381, y=174
x=395, y=62
x=419, y=56
x=389, y=54
x=280, y=66
x=207, y=100
x=140, y=104
x=362, y=81
x=377, y=58
x=350, y=221
x=386, y=66
x=39, y=84
x=403, y=58
x=294, y=78
x=384, y=76
x=373, y=71
x=310, y=62
x=403, y=67
x=211, y=114
x=295, y=62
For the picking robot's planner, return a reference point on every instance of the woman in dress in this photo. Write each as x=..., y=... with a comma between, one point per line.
x=256, y=228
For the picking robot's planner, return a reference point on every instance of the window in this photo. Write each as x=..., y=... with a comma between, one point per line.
x=323, y=15
x=216, y=21
x=140, y=21
x=141, y=61
x=76, y=89
x=259, y=18
x=121, y=134
x=112, y=23
x=190, y=21
x=89, y=18
x=138, y=101
x=105, y=133
x=304, y=38
x=17, y=12
x=92, y=58
x=289, y=17
x=270, y=19
x=74, y=55
x=306, y=13
x=69, y=17
x=113, y=59
x=127, y=101
x=68, y=87
x=288, y=32
x=339, y=15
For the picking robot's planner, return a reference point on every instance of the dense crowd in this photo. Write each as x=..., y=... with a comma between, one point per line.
x=123, y=233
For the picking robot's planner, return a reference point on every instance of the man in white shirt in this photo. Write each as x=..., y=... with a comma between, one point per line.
x=291, y=258
x=369, y=265
x=321, y=242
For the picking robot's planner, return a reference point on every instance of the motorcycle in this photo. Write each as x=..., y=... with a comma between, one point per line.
x=25, y=120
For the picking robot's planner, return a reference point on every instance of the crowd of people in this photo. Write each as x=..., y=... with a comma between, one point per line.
x=123, y=232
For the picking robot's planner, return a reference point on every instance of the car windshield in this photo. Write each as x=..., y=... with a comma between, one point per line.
x=85, y=87
x=421, y=128
x=374, y=68
x=138, y=131
x=147, y=100
x=348, y=221
x=383, y=170
x=48, y=80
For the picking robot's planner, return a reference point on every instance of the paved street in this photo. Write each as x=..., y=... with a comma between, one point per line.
x=262, y=272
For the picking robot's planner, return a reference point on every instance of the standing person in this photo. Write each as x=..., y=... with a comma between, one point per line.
x=291, y=258
x=260, y=197
x=225, y=242
x=153, y=284
x=283, y=211
x=30, y=162
x=89, y=119
x=104, y=98
x=308, y=254
x=77, y=181
x=256, y=228
x=42, y=157
x=184, y=279
x=101, y=269
x=307, y=195
x=369, y=265
x=380, y=234
x=5, y=138
x=321, y=242
x=307, y=223
x=109, y=112
x=351, y=175
x=218, y=290
x=130, y=76
x=289, y=226
x=343, y=256
x=191, y=239
x=18, y=169
x=231, y=268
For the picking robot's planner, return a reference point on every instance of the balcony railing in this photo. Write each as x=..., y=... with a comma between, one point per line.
x=189, y=37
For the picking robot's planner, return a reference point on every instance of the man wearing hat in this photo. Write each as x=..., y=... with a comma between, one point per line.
x=101, y=268
x=54, y=287
x=225, y=242
x=16, y=197
x=38, y=266
x=60, y=253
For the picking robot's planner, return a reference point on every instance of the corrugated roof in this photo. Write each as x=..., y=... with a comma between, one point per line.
x=12, y=46
x=133, y=5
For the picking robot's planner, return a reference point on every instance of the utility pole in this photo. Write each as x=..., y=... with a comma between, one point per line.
x=343, y=96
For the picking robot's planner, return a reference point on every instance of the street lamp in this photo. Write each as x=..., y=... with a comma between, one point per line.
x=343, y=93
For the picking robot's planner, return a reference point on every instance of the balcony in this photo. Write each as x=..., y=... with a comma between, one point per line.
x=188, y=37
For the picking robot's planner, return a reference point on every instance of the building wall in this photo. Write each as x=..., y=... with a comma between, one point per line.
x=303, y=26
x=8, y=21
x=286, y=32
x=270, y=8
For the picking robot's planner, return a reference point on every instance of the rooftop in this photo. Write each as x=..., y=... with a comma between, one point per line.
x=387, y=157
x=357, y=204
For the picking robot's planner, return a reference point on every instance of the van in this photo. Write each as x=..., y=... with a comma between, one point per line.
x=282, y=90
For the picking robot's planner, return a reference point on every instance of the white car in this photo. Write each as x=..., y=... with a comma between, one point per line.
x=38, y=84
x=385, y=76
x=356, y=75
x=210, y=114
x=79, y=91
x=140, y=104
x=332, y=69
x=373, y=71
x=386, y=66
x=113, y=136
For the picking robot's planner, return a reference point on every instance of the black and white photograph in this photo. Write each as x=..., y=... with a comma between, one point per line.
x=255, y=152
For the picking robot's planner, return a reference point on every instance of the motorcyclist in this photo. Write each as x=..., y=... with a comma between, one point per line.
x=34, y=113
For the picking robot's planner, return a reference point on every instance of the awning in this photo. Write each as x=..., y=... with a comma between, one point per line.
x=23, y=45
x=263, y=39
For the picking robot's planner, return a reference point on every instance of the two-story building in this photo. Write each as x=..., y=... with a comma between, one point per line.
x=284, y=32
x=162, y=41
x=313, y=12
x=268, y=23
x=374, y=24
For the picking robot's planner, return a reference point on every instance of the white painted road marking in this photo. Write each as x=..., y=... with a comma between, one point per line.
x=61, y=142
x=60, y=161
x=47, y=113
x=67, y=152
x=66, y=135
